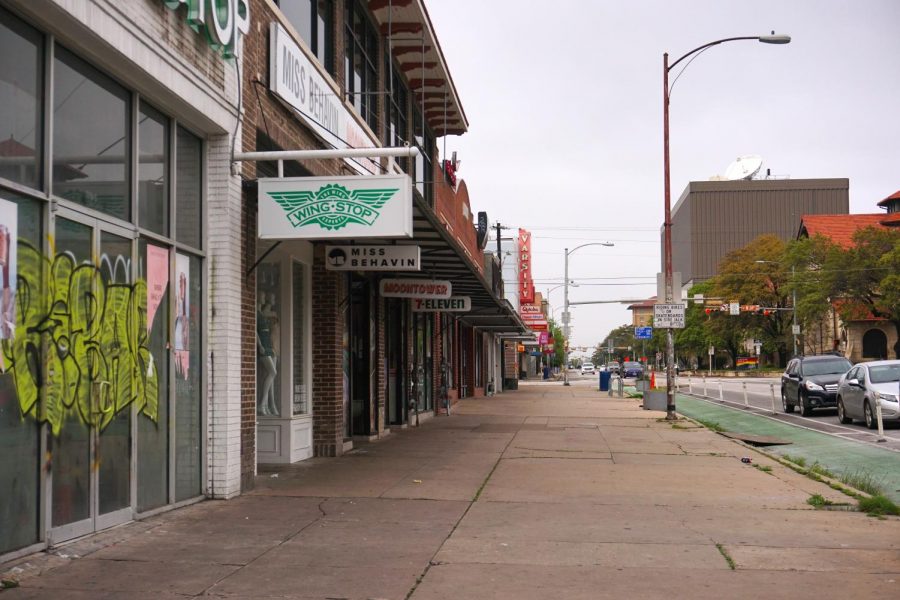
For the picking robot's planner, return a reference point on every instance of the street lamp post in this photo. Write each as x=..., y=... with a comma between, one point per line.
x=667, y=225
x=566, y=318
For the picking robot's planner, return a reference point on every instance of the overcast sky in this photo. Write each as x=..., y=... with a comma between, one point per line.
x=564, y=102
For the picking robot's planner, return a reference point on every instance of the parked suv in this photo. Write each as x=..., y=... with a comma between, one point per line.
x=633, y=369
x=812, y=382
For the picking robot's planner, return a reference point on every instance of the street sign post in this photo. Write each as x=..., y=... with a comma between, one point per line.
x=668, y=316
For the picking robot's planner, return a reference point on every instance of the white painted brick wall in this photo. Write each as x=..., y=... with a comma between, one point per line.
x=225, y=280
x=151, y=49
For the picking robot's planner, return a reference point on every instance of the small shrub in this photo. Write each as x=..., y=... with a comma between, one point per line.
x=878, y=506
x=864, y=481
x=797, y=460
x=818, y=469
x=711, y=425
x=818, y=500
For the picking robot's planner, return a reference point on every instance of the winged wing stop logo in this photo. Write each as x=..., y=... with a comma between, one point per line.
x=333, y=206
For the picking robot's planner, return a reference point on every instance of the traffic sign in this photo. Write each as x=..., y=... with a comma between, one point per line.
x=668, y=316
x=734, y=309
x=643, y=333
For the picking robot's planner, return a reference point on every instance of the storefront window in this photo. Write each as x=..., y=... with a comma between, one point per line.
x=189, y=188
x=153, y=436
x=268, y=339
x=360, y=60
x=188, y=362
x=19, y=505
x=314, y=21
x=20, y=100
x=91, y=137
x=300, y=403
x=153, y=171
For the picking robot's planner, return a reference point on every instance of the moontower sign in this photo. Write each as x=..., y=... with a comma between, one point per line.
x=415, y=288
x=335, y=207
x=221, y=21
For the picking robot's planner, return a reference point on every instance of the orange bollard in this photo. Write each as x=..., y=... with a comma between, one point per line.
x=652, y=379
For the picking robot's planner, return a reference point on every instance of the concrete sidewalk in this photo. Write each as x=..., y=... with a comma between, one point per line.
x=546, y=492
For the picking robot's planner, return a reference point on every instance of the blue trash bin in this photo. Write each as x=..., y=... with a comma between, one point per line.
x=604, y=380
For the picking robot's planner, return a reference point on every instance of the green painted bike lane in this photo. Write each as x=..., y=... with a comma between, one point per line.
x=837, y=455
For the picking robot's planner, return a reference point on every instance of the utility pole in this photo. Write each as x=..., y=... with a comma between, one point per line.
x=794, y=306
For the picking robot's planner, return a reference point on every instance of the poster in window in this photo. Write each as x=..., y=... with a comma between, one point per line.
x=182, y=314
x=9, y=213
x=157, y=279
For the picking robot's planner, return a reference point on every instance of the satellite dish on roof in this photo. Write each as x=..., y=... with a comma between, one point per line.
x=744, y=167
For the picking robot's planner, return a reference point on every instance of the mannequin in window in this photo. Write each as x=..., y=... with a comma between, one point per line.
x=265, y=345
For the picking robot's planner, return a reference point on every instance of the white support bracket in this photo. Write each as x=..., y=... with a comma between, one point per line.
x=283, y=155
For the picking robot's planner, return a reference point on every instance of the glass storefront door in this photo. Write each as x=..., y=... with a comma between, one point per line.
x=91, y=341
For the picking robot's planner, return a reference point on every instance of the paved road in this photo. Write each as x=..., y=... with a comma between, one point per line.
x=759, y=398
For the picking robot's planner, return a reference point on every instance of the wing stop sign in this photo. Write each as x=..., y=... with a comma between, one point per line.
x=310, y=208
x=452, y=304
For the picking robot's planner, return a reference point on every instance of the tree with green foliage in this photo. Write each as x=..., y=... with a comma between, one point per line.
x=756, y=274
x=867, y=275
x=810, y=259
x=692, y=342
x=559, y=344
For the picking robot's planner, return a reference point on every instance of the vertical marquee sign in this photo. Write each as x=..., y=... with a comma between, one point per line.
x=526, y=284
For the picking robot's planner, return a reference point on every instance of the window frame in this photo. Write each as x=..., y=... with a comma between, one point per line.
x=364, y=100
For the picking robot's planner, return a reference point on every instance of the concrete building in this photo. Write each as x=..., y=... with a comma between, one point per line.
x=712, y=218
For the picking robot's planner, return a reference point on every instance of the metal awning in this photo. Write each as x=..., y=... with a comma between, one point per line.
x=413, y=42
x=443, y=257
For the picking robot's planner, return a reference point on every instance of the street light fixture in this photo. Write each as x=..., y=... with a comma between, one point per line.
x=566, y=318
x=667, y=225
x=793, y=300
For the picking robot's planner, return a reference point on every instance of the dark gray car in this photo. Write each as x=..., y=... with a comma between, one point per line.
x=863, y=386
x=811, y=382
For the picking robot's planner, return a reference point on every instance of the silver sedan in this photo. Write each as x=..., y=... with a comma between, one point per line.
x=865, y=384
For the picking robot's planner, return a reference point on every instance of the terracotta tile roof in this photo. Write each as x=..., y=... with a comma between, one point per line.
x=648, y=303
x=886, y=201
x=891, y=220
x=11, y=147
x=839, y=228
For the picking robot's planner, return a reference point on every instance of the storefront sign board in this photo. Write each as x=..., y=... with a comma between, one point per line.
x=373, y=258
x=221, y=22
x=415, y=288
x=452, y=304
x=310, y=208
x=296, y=79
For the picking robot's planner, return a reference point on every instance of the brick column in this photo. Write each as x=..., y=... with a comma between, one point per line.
x=328, y=295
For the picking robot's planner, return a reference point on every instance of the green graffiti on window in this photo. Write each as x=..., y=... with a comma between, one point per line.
x=81, y=344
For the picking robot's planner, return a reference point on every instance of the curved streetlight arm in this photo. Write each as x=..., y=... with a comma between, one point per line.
x=715, y=43
x=667, y=222
x=566, y=284
x=607, y=244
